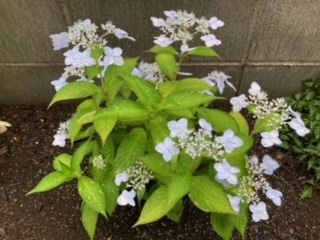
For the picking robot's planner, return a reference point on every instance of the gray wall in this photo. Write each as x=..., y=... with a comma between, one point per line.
x=273, y=42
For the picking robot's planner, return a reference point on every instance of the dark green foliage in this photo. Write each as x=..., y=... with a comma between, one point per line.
x=307, y=149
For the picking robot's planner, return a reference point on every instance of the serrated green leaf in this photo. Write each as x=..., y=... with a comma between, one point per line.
x=127, y=111
x=159, y=129
x=188, y=85
x=203, y=52
x=79, y=155
x=62, y=162
x=222, y=225
x=96, y=52
x=158, y=49
x=167, y=64
x=176, y=212
x=263, y=124
x=164, y=199
x=132, y=146
x=87, y=104
x=161, y=169
x=103, y=126
x=52, y=180
x=111, y=193
x=92, y=194
x=180, y=101
x=144, y=90
x=93, y=71
x=209, y=196
x=242, y=122
x=220, y=120
x=89, y=219
x=75, y=90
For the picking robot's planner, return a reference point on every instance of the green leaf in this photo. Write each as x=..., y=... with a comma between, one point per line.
x=62, y=162
x=87, y=104
x=126, y=111
x=158, y=166
x=159, y=129
x=96, y=52
x=242, y=122
x=188, y=85
x=263, y=124
x=167, y=64
x=209, y=196
x=79, y=155
x=52, y=180
x=220, y=120
x=75, y=90
x=92, y=194
x=158, y=49
x=180, y=101
x=89, y=219
x=222, y=225
x=111, y=193
x=203, y=52
x=155, y=207
x=103, y=126
x=76, y=122
x=132, y=146
x=114, y=71
x=144, y=90
x=187, y=163
x=93, y=71
x=164, y=199
x=176, y=212
x=240, y=221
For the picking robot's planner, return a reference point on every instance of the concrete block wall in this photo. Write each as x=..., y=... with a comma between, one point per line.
x=273, y=42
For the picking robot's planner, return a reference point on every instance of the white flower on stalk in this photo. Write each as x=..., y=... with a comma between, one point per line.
x=274, y=195
x=219, y=79
x=120, y=34
x=168, y=149
x=83, y=33
x=61, y=135
x=215, y=23
x=259, y=211
x=229, y=141
x=270, y=138
x=179, y=128
x=239, y=102
x=298, y=125
x=112, y=56
x=206, y=127
x=226, y=173
x=58, y=84
x=269, y=165
x=60, y=40
x=78, y=59
x=163, y=41
x=158, y=22
x=121, y=177
x=254, y=89
x=210, y=40
x=126, y=198
x=171, y=14
x=235, y=202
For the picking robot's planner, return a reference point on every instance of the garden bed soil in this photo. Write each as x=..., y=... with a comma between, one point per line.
x=26, y=156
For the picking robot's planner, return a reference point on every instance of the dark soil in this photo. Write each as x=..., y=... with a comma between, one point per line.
x=26, y=156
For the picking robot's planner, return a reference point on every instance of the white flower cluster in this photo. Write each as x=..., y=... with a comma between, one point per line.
x=262, y=107
x=61, y=135
x=181, y=26
x=99, y=162
x=218, y=79
x=149, y=71
x=250, y=187
x=197, y=143
x=135, y=177
x=83, y=35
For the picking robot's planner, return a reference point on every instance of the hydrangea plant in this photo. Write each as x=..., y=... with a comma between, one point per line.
x=145, y=132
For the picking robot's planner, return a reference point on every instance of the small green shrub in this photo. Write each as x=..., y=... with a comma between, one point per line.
x=307, y=149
